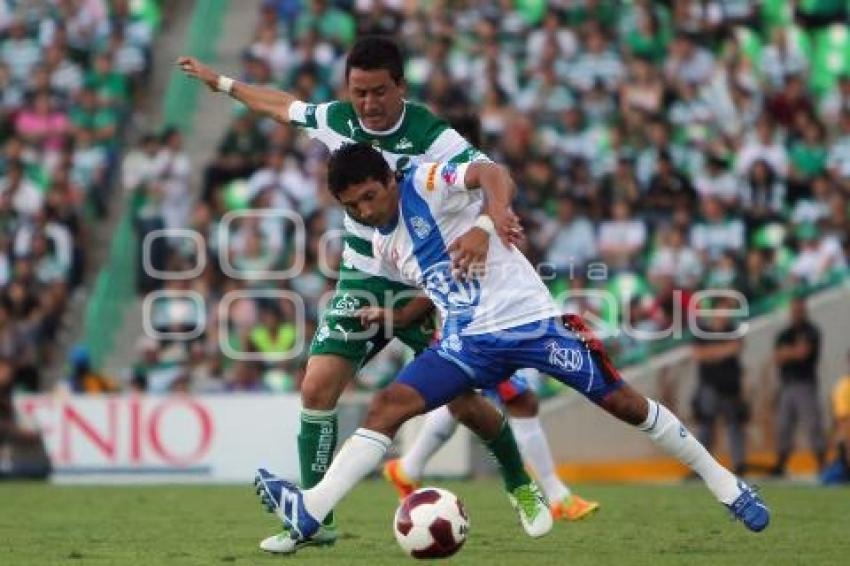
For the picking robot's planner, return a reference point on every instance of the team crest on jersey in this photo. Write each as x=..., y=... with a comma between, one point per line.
x=453, y=343
x=421, y=227
x=403, y=144
x=449, y=173
x=568, y=359
x=323, y=333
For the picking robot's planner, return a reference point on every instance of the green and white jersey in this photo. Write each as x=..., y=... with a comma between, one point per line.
x=418, y=136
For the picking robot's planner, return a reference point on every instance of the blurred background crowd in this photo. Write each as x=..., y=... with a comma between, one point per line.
x=72, y=76
x=659, y=148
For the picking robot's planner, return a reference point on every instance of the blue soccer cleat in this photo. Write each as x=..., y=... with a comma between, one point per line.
x=750, y=509
x=285, y=500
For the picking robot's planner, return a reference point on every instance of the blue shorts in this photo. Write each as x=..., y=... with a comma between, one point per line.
x=508, y=390
x=561, y=347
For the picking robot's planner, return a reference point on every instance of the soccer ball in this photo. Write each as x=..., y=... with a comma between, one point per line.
x=431, y=523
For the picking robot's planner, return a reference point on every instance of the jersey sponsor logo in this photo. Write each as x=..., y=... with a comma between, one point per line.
x=567, y=359
x=453, y=343
x=403, y=144
x=323, y=333
x=449, y=173
x=432, y=176
x=421, y=227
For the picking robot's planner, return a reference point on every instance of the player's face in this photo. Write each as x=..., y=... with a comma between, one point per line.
x=372, y=203
x=377, y=99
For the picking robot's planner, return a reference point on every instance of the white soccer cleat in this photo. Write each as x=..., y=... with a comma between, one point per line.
x=533, y=510
x=285, y=543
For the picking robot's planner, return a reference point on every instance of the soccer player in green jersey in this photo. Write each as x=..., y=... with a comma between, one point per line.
x=406, y=133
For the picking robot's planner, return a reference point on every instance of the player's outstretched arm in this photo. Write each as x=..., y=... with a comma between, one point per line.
x=499, y=190
x=271, y=102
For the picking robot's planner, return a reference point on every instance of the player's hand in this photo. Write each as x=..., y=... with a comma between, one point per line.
x=469, y=253
x=195, y=69
x=508, y=227
x=372, y=315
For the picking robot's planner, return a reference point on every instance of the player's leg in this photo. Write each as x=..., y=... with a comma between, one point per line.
x=413, y=392
x=406, y=472
x=522, y=405
x=440, y=424
x=810, y=414
x=578, y=359
x=786, y=418
x=339, y=347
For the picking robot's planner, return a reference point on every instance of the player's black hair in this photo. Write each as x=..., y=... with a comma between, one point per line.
x=375, y=52
x=353, y=164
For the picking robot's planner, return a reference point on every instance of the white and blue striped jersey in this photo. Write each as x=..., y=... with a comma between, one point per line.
x=435, y=208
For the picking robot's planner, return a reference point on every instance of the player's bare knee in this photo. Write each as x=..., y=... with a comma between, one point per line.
x=627, y=405
x=478, y=415
x=523, y=406
x=391, y=407
x=320, y=391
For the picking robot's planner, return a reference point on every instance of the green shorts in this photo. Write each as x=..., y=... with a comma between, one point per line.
x=340, y=332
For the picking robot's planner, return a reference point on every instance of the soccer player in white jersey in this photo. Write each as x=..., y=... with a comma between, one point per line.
x=494, y=323
x=406, y=133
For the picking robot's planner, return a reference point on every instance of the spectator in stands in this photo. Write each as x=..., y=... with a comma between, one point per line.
x=239, y=154
x=796, y=355
x=21, y=450
x=763, y=195
x=621, y=238
x=838, y=472
x=717, y=230
x=668, y=189
x=818, y=257
x=717, y=350
x=573, y=243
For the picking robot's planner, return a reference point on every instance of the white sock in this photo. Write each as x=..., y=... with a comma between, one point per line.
x=360, y=454
x=535, y=451
x=439, y=426
x=667, y=432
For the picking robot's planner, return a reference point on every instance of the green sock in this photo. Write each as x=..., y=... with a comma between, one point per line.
x=316, y=445
x=506, y=452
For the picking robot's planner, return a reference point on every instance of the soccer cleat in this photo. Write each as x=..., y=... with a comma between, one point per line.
x=749, y=508
x=573, y=508
x=285, y=543
x=285, y=500
x=394, y=474
x=532, y=508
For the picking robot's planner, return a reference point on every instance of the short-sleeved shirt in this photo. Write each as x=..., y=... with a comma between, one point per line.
x=418, y=136
x=435, y=207
x=804, y=370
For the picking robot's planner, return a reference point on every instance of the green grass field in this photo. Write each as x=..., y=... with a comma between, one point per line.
x=43, y=525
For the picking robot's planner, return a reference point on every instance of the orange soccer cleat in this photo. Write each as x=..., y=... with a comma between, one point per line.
x=396, y=476
x=573, y=508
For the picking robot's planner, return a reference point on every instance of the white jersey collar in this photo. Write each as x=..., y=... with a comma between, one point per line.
x=389, y=132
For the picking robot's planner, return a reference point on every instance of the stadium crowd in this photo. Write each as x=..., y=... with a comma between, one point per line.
x=71, y=72
x=659, y=148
